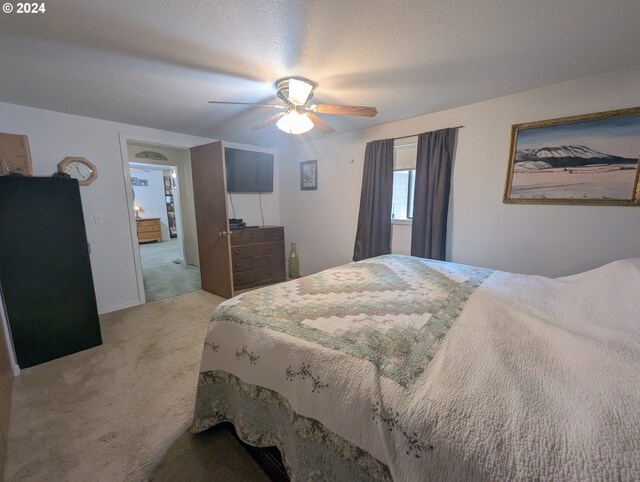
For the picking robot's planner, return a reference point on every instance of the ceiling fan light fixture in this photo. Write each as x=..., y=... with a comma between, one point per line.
x=295, y=122
x=296, y=115
x=299, y=91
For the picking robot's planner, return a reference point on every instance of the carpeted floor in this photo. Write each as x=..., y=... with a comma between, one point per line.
x=121, y=411
x=164, y=273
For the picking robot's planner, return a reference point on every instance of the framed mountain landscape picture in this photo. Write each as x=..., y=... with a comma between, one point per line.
x=586, y=159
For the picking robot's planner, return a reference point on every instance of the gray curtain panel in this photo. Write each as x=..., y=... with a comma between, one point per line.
x=431, y=196
x=373, y=236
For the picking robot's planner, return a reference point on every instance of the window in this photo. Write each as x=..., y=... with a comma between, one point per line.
x=404, y=176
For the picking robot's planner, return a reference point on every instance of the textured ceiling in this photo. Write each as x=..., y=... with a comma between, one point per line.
x=157, y=63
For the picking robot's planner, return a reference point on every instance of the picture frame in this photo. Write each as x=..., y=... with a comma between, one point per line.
x=591, y=159
x=143, y=182
x=309, y=175
x=15, y=155
x=134, y=181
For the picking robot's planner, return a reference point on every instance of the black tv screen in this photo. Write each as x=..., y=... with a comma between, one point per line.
x=248, y=171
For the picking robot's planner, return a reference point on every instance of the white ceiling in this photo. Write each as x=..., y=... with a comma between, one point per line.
x=156, y=63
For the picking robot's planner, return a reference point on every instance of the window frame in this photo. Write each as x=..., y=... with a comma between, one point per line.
x=410, y=187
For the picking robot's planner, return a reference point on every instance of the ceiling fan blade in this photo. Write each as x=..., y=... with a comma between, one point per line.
x=358, y=110
x=299, y=91
x=255, y=104
x=268, y=121
x=321, y=125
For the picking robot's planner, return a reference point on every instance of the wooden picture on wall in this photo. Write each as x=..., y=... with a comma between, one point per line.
x=15, y=155
x=585, y=159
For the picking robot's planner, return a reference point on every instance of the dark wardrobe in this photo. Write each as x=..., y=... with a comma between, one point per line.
x=45, y=272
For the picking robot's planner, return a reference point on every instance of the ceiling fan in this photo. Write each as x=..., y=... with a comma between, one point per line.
x=297, y=116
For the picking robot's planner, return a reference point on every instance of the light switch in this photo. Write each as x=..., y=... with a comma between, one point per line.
x=98, y=218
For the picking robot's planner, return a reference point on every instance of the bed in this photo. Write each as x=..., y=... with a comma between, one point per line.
x=400, y=368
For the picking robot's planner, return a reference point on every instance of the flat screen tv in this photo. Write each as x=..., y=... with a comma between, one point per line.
x=248, y=171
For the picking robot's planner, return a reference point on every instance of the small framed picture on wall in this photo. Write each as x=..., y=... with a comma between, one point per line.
x=309, y=175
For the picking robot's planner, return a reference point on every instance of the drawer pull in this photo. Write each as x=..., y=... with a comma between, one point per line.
x=237, y=265
x=237, y=251
x=273, y=235
x=270, y=248
x=270, y=271
x=270, y=260
x=253, y=236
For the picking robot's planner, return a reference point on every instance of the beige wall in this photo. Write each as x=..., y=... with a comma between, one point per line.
x=546, y=240
x=54, y=136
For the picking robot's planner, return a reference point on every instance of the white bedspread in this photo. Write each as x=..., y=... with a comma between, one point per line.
x=539, y=379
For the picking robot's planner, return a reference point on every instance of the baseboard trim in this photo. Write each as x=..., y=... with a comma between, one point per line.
x=111, y=309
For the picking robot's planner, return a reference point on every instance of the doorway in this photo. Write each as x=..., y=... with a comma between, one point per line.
x=162, y=200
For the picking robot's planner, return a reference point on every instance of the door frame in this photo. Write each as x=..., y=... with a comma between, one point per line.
x=154, y=165
x=124, y=154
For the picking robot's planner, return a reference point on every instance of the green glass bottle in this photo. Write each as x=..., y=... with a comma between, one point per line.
x=294, y=263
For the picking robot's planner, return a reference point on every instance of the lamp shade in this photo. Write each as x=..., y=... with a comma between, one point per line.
x=299, y=91
x=138, y=210
x=295, y=123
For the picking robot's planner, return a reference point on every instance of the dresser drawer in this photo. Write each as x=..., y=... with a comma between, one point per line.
x=246, y=236
x=271, y=260
x=255, y=262
x=240, y=251
x=147, y=222
x=272, y=234
x=269, y=248
x=269, y=273
x=149, y=229
x=243, y=264
x=244, y=277
x=261, y=249
x=250, y=236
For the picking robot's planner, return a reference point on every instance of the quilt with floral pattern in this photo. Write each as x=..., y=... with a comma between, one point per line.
x=294, y=364
x=405, y=369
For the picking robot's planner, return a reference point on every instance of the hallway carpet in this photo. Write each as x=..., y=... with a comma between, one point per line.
x=164, y=273
x=121, y=411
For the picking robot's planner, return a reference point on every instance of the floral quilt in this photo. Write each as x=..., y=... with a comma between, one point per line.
x=400, y=368
x=306, y=359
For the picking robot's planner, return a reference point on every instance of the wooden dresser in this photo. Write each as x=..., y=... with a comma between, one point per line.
x=257, y=256
x=148, y=230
